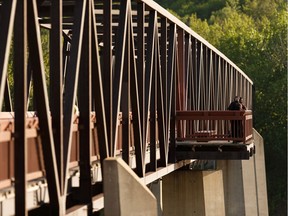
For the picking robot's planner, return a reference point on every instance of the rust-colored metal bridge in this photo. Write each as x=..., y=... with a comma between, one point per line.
x=85, y=80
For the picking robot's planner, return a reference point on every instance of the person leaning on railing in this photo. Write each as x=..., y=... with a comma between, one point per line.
x=236, y=125
x=243, y=108
x=235, y=104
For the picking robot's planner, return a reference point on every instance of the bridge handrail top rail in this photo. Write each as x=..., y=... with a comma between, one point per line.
x=212, y=111
x=213, y=115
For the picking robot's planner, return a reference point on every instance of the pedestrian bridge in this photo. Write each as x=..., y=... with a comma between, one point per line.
x=83, y=81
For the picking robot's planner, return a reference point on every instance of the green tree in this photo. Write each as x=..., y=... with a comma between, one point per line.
x=259, y=47
x=203, y=9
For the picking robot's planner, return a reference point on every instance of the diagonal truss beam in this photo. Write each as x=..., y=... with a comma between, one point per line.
x=41, y=97
x=118, y=74
x=71, y=81
x=56, y=81
x=97, y=92
x=135, y=104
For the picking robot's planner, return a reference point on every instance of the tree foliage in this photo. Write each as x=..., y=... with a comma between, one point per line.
x=184, y=8
x=253, y=34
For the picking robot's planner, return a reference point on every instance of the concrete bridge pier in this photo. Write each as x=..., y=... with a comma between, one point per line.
x=234, y=188
x=156, y=188
x=193, y=193
x=237, y=187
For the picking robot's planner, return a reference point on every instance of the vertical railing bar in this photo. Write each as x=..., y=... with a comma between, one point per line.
x=20, y=76
x=203, y=78
x=164, y=89
x=209, y=77
x=232, y=82
x=148, y=70
x=178, y=95
x=161, y=94
x=186, y=76
x=194, y=73
x=215, y=79
x=153, y=106
x=85, y=189
x=221, y=86
x=199, y=56
x=178, y=71
x=190, y=84
x=187, y=69
x=107, y=70
x=181, y=73
x=125, y=97
x=140, y=64
x=219, y=78
x=226, y=95
x=170, y=82
x=172, y=147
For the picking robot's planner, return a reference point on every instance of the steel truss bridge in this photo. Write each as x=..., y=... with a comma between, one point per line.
x=81, y=81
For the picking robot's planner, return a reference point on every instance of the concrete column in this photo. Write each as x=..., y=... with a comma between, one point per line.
x=245, y=183
x=213, y=193
x=249, y=187
x=233, y=187
x=183, y=193
x=261, y=187
x=156, y=189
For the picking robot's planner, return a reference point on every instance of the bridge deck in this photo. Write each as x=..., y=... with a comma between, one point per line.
x=214, y=150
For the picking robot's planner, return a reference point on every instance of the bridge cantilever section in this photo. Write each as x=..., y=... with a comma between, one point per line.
x=214, y=135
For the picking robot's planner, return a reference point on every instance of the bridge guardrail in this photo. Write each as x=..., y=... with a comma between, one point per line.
x=235, y=126
x=36, y=167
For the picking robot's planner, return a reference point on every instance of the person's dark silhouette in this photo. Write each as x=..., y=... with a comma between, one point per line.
x=235, y=124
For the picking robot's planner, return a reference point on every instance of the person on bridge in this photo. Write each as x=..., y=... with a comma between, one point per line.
x=243, y=107
x=240, y=124
x=235, y=105
x=235, y=124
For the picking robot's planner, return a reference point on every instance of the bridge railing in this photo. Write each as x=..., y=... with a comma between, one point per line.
x=235, y=126
x=35, y=164
x=36, y=168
